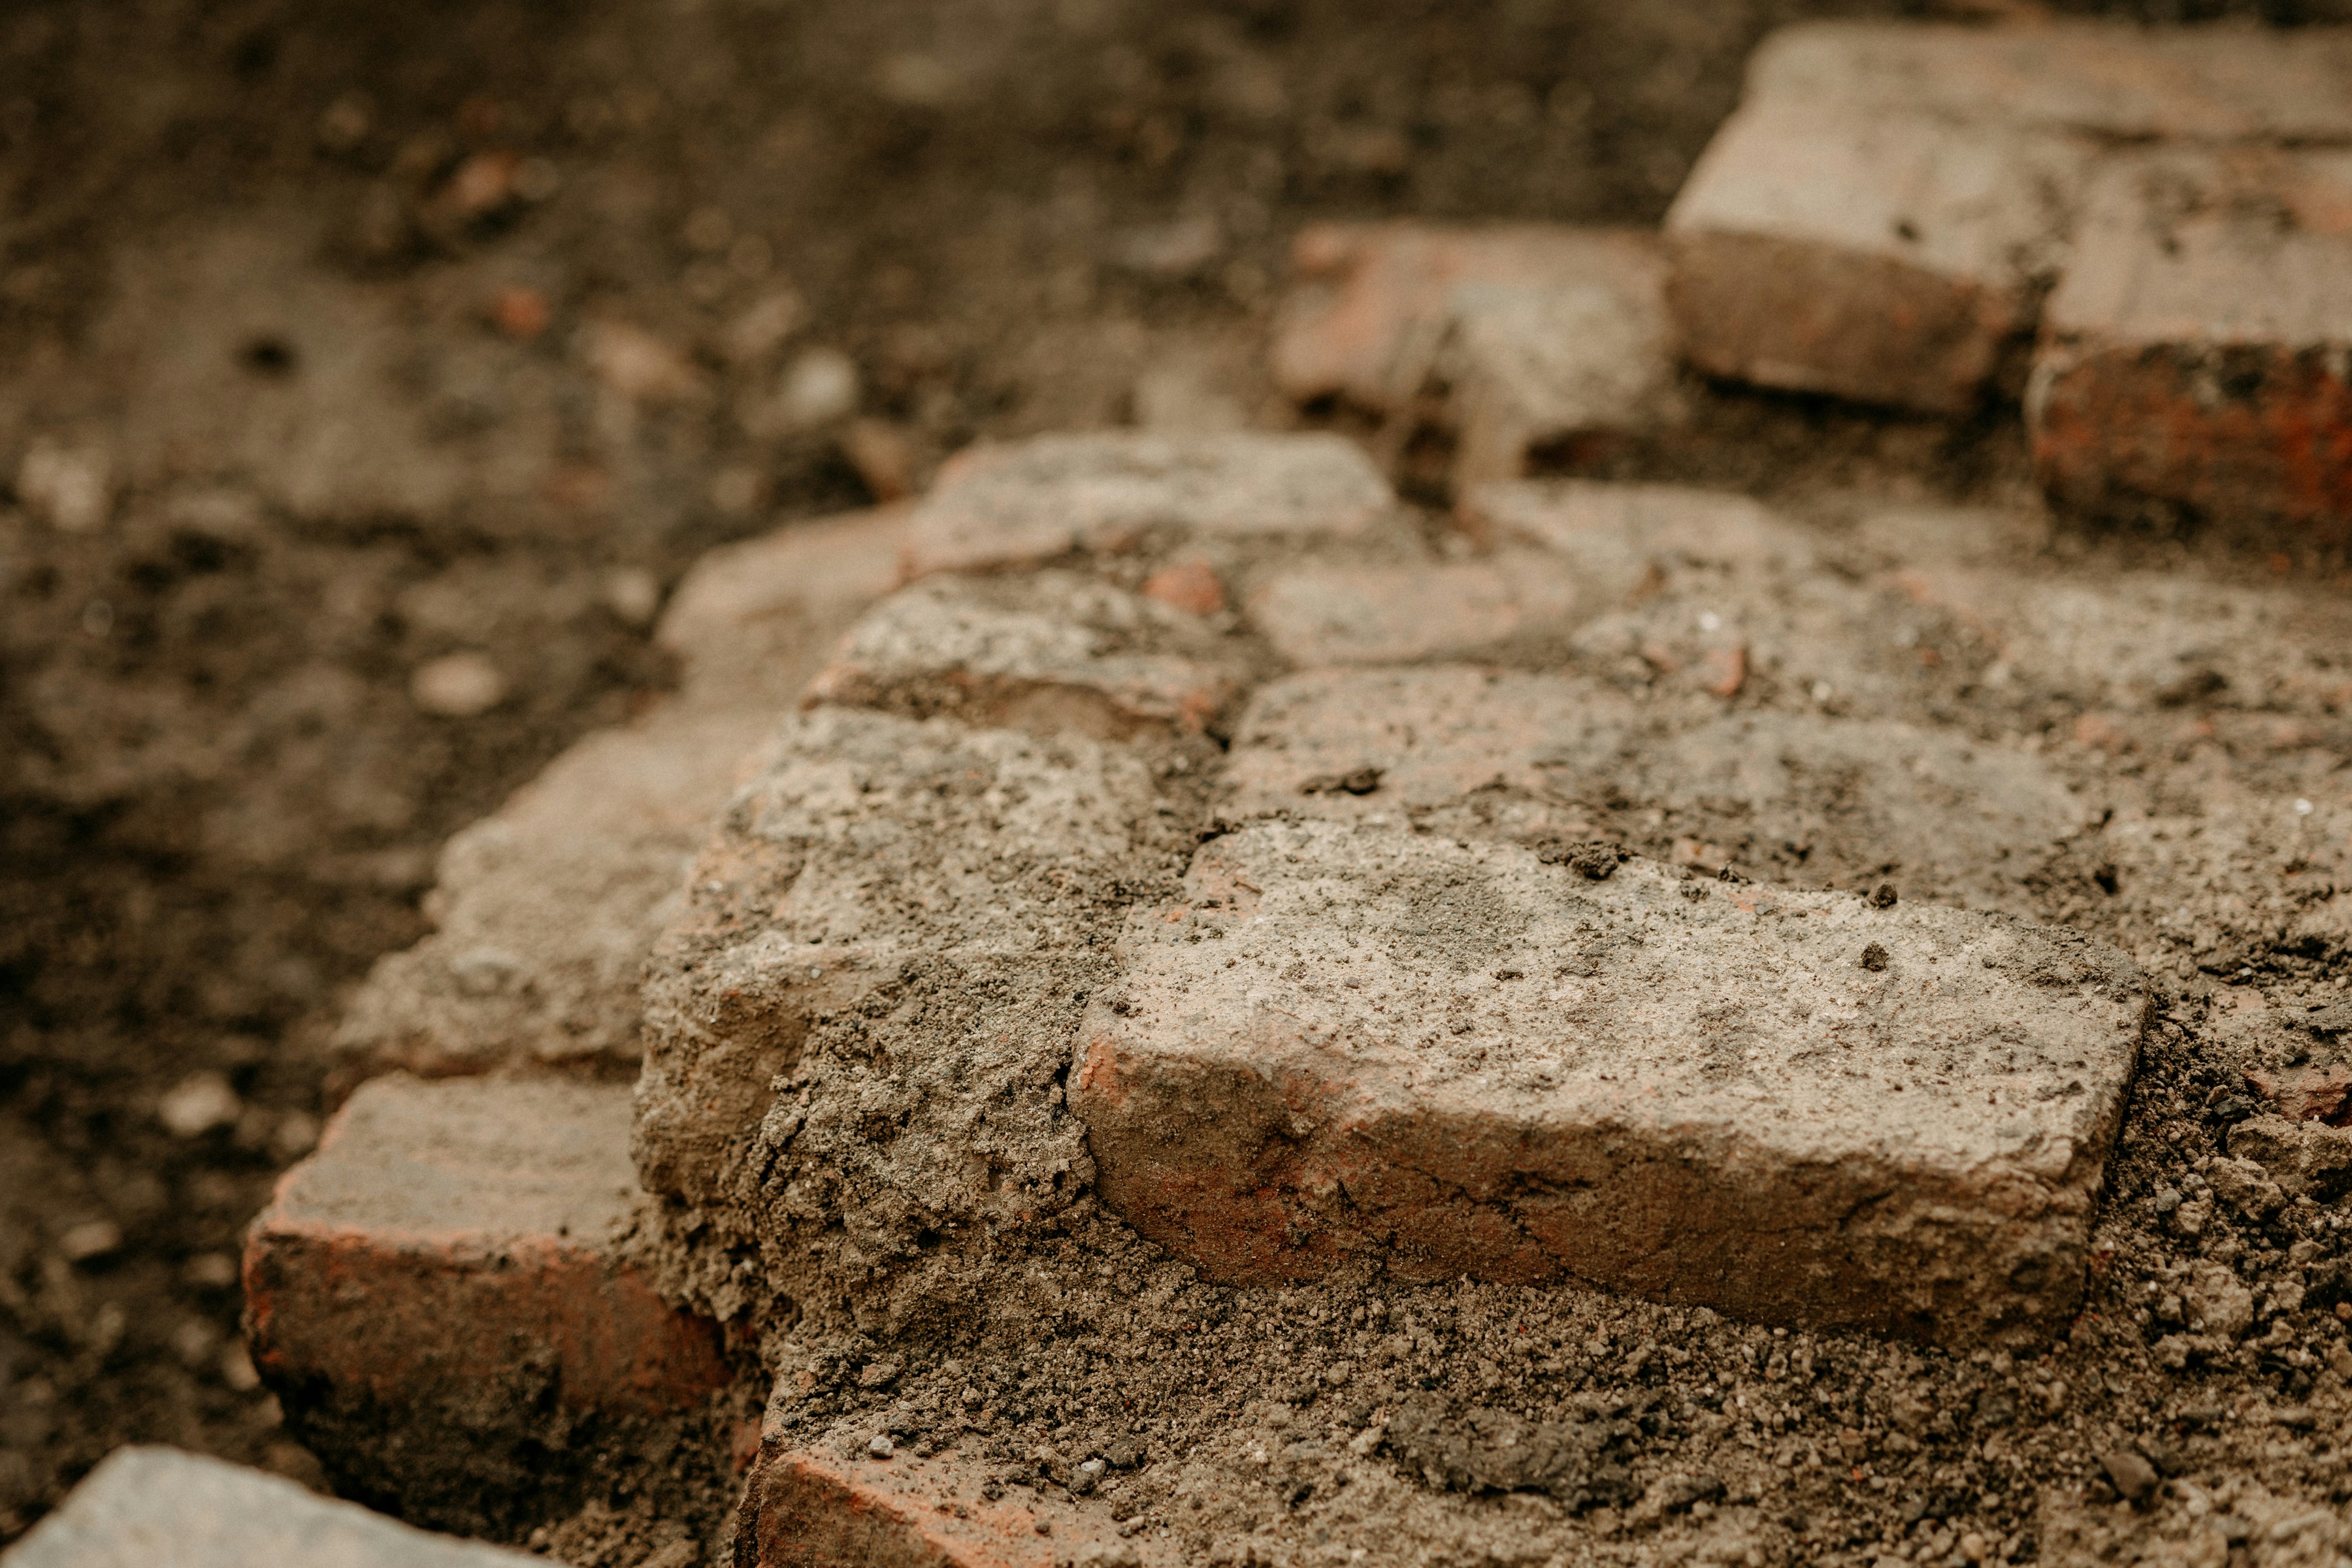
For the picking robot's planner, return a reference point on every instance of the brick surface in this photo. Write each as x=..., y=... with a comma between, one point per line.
x=546, y=908
x=1337, y=614
x=1870, y=255
x=446, y=1270
x=1542, y=757
x=2198, y=354
x=871, y=843
x=1046, y=652
x=1461, y=1060
x=805, y=1510
x=2117, y=82
x=1033, y=501
x=1542, y=334
x=143, y=1507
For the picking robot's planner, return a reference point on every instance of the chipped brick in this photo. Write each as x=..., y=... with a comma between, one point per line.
x=1700, y=1099
x=1046, y=652
x=1033, y=501
x=2198, y=353
x=803, y=1509
x=449, y=1263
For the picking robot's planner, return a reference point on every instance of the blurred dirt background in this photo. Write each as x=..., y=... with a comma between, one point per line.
x=367, y=372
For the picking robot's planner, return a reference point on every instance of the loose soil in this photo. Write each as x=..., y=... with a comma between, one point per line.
x=389, y=333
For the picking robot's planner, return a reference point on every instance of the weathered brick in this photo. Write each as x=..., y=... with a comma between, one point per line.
x=1352, y=614
x=546, y=908
x=882, y=858
x=805, y=1510
x=1458, y=1060
x=1031, y=502
x=1047, y=651
x=1867, y=254
x=145, y=1506
x=440, y=1297
x=2115, y=82
x=1544, y=758
x=1698, y=589
x=2198, y=354
x=1542, y=334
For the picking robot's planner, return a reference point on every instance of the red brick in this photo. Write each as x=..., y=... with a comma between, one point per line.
x=1395, y=613
x=803, y=1509
x=448, y=1262
x=1045, y=652
x=2197, y=355
x=1033, y=501
x=1455, y=1059
x=1876, y=256
x=1543, y=334
x=1192, y=586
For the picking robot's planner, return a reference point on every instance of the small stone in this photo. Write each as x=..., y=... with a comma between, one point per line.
x=1086, y=1476
x=71, y=487
x=641, y=366
x=1874, y=957
x=2133, y=1476
x=819, y=386
x=633, y=594
x=154, y=1505
x=1192, y=586
x=520, y=314
x=90, y=1240
x=197, y=1104
x=883, y=456
x=1883, y=896
x=457, y=686
x=880, y=1448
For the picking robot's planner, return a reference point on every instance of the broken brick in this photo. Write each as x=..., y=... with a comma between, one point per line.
x=2197, y=355
x=805, y=1510
x=1456, y=1059
x=449, y=1262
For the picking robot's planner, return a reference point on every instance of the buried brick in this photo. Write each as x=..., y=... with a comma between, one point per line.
x=1464, y=1061
x=2198, y=354
x=1458, y=749
x=803, y=1509
x=1045, y=652
x=440, y=1297
x=1029, y=502
x=144, y=1506
x=1542, y=335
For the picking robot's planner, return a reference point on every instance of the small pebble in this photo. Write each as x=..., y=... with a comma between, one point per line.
x=880, y=1448
x=92, y=1238
x=197, y=1104
x=457, y=686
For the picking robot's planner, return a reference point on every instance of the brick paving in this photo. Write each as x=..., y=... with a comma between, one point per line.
x=1178, y=839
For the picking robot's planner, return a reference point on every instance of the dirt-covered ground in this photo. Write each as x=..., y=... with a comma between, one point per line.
x=368, y=371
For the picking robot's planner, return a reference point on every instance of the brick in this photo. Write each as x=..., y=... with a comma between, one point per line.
x=2114, y=82
x=1699, y=591
x=1361, y=614
x=439, y=1294
x=2197, y=355
x=1543, y=334
x=805, y=1510
x=1543, y=757
x=144, y=1506
x=1047, y=651
x=876, y=856
x=1866, y=254
x=1456, y=1059
x=545, y=910
x=1033, y=501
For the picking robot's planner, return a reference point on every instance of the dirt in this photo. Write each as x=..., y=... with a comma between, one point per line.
x=351, y=338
